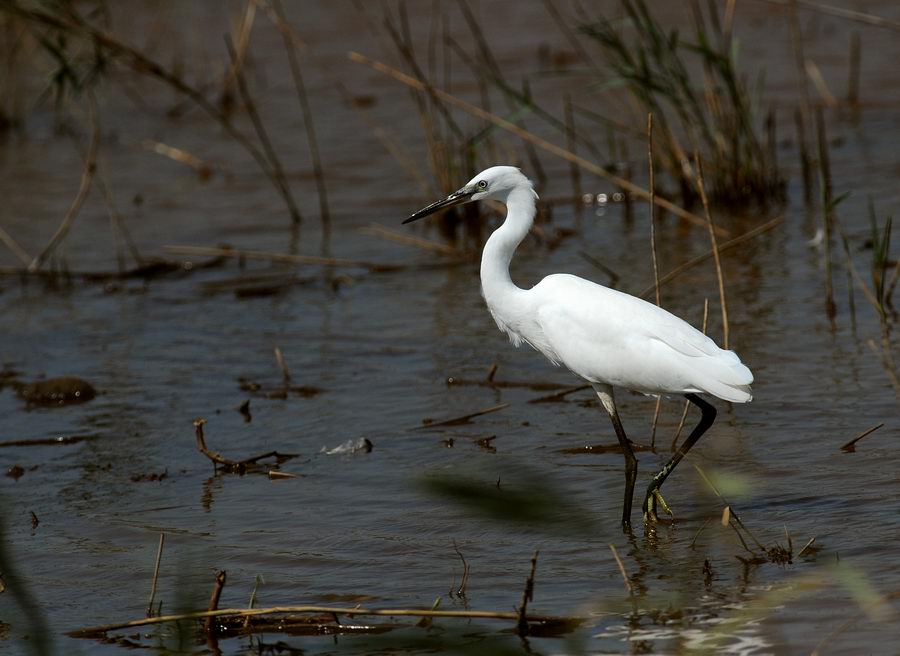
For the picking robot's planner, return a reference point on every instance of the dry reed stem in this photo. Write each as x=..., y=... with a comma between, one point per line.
x=120, y=230
x=728, y=245
x=204, y=169
x=210, y=623
x=628, y=584
x=463, y=418
x=697, y=534
x=378, y=230
x=879, y=602
x=312, y=140
x=868, y=293
x=396, y=150
x=853, y=70
x=87, y=176
x=574, y=171
x=461, y=591
x=282, y=365
x=14, y=248
x=840, y=12
x=799, y=56
x=806, y=547
x=652, y=187
x=527, y=595
x=827, y=210
x=731, y=513
x=715, y=248
x=283, y=258
x=525, y=135
x=143, y=64
x=572, y=38
x=243, y=31
x=271, y=156
x=887, y=364
x=819, y=82
x=487, y=57
x=556, y=396
x=281, y=610
x=162, y=541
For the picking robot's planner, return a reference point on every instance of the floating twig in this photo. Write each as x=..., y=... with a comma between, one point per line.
x=850, y=446
x=464, y=419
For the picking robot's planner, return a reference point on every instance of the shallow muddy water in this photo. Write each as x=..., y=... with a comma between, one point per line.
x=371, y=354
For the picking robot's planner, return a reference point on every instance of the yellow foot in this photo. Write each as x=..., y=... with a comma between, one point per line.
x=655, y=497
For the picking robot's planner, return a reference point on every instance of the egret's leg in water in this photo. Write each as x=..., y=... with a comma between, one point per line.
x=653, y=495
x=605, y=392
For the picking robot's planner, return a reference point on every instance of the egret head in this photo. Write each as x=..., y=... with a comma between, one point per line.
x=495, y=183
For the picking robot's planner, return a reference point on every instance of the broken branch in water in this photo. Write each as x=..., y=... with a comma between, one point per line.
x=229, y=465
x=850, y=446
x=210, y=623
x=464, y=419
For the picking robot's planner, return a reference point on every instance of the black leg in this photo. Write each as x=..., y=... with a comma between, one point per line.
x=606, y=398
x=708, y=416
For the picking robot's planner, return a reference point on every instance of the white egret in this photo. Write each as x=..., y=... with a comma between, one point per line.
x=607, y=337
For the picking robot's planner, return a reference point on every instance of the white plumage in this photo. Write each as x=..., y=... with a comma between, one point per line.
x=607, y=337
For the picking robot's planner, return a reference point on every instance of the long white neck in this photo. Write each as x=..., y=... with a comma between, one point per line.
x=498, y=251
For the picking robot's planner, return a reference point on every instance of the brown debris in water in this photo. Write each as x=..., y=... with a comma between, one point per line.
x=56, y=391
x=15, y=472
x=234, y=466
x=244, y=409
x=148, y=476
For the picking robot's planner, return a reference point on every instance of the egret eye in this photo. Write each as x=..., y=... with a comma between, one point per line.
x=482, y=184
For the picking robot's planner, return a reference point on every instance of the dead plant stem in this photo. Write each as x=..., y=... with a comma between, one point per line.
x=532, y=138
x=715, y=249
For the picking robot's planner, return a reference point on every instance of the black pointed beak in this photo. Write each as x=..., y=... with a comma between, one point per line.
x=456, y=198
